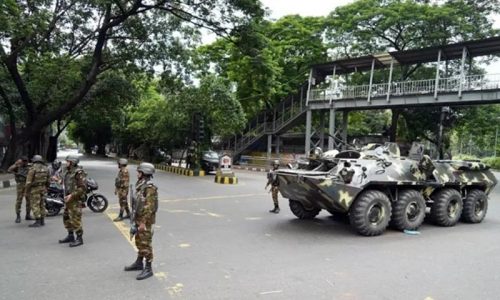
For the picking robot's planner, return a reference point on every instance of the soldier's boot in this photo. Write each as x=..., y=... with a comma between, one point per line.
x=146, y=272
x=135, y=266
x=42, y=221
x=68, y=239
x=28, y=217
x=18, y=218
x=276, y=209
x=120, y=216
x=36, y=224
x=78, y=241
x=127, y=216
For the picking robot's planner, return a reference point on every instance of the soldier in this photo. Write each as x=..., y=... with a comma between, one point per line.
x=55, y=170
x=75, y=192
x=272, y=180
x=144, y=213
x=37, y=182
x=20, y=168
x=121, y=189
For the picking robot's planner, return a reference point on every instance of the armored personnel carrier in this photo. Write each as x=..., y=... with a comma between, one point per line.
x=376, y=187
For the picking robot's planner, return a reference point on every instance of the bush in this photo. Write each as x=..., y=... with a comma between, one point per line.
x=493, y=162
x=465, y=157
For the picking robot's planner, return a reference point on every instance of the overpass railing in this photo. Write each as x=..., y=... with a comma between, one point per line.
x=403, y=88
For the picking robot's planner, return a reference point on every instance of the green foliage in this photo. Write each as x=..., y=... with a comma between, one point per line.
x=53, y=52
x=476, y=129
x=493, y=162
x=92, y=124
x=164, y=120
x=368, y=122
x=266, y=60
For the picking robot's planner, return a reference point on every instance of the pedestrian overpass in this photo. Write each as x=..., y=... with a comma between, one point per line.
x=326, y=92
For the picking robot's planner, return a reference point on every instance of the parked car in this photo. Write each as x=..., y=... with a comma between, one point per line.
x=209, y=161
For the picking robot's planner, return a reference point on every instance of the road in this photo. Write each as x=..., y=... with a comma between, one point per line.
x=217, y=241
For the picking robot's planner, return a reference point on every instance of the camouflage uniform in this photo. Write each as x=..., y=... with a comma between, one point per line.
x=21, y=171
x=37, y=183
x=121, y=183
x=272, y=179
x=144, y=205
x=147, y=199
x=74, y=183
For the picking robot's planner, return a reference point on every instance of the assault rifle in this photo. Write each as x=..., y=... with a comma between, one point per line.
x=133, y=207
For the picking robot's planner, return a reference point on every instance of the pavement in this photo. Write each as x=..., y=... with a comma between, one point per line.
x=216, y=241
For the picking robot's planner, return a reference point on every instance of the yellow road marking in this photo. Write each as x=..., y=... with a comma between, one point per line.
x=184, y=245
x=213, y=197
x=175, y=290
x=122, y=227
x=125, y=231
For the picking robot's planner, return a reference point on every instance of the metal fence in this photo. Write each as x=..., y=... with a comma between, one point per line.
x=413, y=87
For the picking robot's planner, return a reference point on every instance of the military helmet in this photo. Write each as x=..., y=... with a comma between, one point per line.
x=146, y=168
x=123, y=161
x=37, y=158
x=24, y=158
x=56, y=164
x=72, y=158
x=276, y=162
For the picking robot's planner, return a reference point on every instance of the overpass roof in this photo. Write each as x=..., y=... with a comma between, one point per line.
x=474, y=48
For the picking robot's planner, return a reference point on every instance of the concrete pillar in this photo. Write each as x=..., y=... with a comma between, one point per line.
x=308, y=130
x=269, y=145
x=331, y=129
x=278, y=145
x=322, y=130
x=345, y=119
x=436, y=83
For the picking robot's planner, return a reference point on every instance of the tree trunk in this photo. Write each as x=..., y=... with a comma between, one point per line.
x=52, y=149
x=10, y=155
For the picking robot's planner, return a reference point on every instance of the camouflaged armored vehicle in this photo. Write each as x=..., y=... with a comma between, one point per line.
x=376, y=187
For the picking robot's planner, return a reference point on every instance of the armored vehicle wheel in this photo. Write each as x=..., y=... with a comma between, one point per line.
x=408, y=212
x=447, y=207
x=301, y=212
x=475, y=207
x=370, y=213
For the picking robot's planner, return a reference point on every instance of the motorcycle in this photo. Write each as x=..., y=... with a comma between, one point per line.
x=55, y=198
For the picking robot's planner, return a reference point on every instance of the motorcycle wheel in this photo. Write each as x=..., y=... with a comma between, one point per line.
x=97, y=203
x=52, y=210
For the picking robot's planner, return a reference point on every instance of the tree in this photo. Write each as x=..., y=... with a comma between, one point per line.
x=268, y=60
x=38, y=36
x=162, y=118
x=92, y=123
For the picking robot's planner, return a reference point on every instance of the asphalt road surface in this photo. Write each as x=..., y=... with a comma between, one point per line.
x=217, y=241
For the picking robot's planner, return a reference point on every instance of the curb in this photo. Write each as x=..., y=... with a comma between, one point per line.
x=7, y=183
x=256, y=169
x=226, y=180
x=174, y=169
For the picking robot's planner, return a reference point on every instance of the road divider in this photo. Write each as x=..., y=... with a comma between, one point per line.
x=175, y=169
x=225, y=180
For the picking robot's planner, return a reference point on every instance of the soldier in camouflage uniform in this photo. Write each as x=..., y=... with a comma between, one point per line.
x=37, y=182
x=272, y=180
x=121, y=189
x=75, y=194
x=145, y=216
x=20, y=168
